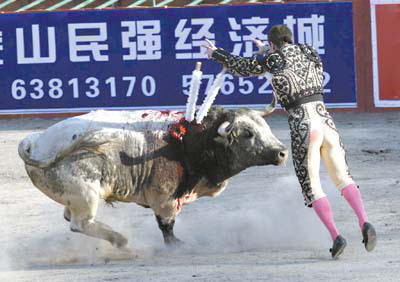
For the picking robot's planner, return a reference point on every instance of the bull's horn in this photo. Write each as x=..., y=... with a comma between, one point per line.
x=270, y=108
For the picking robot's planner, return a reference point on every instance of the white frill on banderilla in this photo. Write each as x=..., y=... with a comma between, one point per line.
x=208, y=100
x=193, y=93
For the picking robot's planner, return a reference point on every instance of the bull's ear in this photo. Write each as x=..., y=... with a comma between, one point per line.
x=222, y=140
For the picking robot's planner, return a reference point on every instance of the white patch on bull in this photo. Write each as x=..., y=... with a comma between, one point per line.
x=202, y=189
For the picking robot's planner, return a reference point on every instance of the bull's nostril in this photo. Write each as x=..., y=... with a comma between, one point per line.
x=282, y=154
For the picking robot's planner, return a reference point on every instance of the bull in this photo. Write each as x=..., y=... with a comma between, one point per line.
x=145, y=157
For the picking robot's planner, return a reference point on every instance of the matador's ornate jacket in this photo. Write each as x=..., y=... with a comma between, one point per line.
x=296, y=69
x=297, y=79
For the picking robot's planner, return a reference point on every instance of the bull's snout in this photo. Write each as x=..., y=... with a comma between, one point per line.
x=24, y=148
x=282, y=155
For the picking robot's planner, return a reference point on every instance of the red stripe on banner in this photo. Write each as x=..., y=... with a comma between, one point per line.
x=388, y=43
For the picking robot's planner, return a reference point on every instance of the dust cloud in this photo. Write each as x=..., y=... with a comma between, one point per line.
x=270, y=217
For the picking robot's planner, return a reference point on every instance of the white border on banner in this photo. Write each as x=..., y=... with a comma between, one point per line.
x=83, y=110
x=377, y=101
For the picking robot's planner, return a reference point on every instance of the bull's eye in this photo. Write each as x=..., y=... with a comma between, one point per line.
x=247, y=133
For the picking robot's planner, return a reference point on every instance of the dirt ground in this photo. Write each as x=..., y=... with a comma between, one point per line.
x=257, y=230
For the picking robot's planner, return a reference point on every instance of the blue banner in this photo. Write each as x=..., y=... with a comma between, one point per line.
x=135, y=59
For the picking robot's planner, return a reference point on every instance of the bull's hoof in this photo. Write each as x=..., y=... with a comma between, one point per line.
x=174, y=242
x=119, y=241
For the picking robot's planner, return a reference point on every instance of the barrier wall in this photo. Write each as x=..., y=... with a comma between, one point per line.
x=63, y=62
x=385, y=23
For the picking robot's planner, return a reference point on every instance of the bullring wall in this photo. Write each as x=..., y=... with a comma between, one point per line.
x=366, y=69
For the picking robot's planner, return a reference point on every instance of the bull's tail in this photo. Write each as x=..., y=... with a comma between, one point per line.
x=86, y=142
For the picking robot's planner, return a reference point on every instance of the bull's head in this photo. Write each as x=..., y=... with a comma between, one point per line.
x=250, y=139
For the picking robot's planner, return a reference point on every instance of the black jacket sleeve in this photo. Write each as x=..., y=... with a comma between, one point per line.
x=255, y=66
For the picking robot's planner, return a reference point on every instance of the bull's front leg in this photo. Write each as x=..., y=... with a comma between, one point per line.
x=167, y=228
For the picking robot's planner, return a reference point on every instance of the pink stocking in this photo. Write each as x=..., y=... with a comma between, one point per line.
x=323, y=209
x=353, y=197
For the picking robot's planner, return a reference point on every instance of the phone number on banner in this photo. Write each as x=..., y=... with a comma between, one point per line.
x=93, y=87
x=242, y=85
x=55, y=87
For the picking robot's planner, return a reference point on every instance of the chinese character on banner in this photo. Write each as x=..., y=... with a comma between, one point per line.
x=1, y=46
x=253, y=28
x=148, y=40
x=191, y=41
x=81, y=42
x=309, y=31
x=37, y=57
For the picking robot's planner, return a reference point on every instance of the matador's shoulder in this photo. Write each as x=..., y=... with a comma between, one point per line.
x=311, y=53
x=273, y=62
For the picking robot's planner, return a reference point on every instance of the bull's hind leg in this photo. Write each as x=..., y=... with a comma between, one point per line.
x=100, y=230
x=167, y=228
x=82, y=220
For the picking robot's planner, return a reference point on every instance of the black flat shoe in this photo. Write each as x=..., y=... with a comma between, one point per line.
x=338, y=246
x=369, y=236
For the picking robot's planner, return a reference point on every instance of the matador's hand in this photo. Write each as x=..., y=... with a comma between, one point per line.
x=262, y=48
x=210, y=48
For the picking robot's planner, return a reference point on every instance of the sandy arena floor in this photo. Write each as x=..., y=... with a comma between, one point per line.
x=257, y=230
